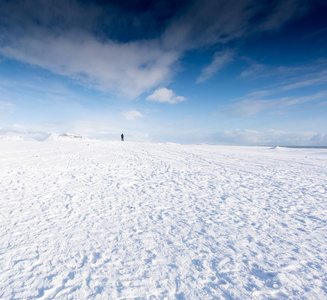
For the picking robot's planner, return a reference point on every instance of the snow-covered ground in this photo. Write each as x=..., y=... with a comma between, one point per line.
x=121, y=220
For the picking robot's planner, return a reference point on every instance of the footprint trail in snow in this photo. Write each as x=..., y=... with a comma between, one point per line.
x=112, y=220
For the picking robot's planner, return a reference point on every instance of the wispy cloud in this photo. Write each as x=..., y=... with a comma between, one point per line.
x=276, y=99
x=250, y=107
x=6, y=106
x=320, y=79
x=220, y=60
x=132, y=115
x=321, y=31
x=165, y=95
x=254, y=71
x=315, y=70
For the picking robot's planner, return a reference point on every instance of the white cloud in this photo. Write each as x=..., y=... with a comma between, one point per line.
x=132, y=115
x=220, y=60
x=78, y=39
x=165, y=95
x=126, y=69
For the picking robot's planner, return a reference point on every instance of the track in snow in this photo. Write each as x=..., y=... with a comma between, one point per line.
x=112, y=220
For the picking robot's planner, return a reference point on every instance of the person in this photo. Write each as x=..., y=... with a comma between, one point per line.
x=122, y=137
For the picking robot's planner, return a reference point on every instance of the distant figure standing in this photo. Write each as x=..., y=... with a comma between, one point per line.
x=122, y=137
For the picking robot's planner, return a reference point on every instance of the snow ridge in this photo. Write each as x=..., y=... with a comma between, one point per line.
x=63, y=137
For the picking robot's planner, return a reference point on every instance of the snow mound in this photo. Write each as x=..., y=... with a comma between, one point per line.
x=277, y=148
x=11, y=138
x=63, y=137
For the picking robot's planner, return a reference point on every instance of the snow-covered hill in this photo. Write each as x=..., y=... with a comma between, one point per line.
x=11, y=138
x=122, y=220
x=63, y=137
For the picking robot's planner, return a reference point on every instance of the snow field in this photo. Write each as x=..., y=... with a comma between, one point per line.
x=123, y=220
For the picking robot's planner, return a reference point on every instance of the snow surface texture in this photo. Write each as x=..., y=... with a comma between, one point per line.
x=121, y=220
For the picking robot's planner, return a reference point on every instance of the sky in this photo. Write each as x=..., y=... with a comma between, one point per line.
x=229, y=72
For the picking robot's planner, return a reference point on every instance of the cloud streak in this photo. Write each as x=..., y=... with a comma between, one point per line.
x=220, y=60
x=6, y=106
x=251, y=107
x=264, y=101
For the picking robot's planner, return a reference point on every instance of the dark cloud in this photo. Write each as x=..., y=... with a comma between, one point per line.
x=136, y=20
x=188, y=24
x=207, y=22
x=123, y=21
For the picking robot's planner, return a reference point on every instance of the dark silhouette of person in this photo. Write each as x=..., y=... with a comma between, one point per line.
x=122, y=137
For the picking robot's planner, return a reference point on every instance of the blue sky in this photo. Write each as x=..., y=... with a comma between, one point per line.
x=240, y=72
